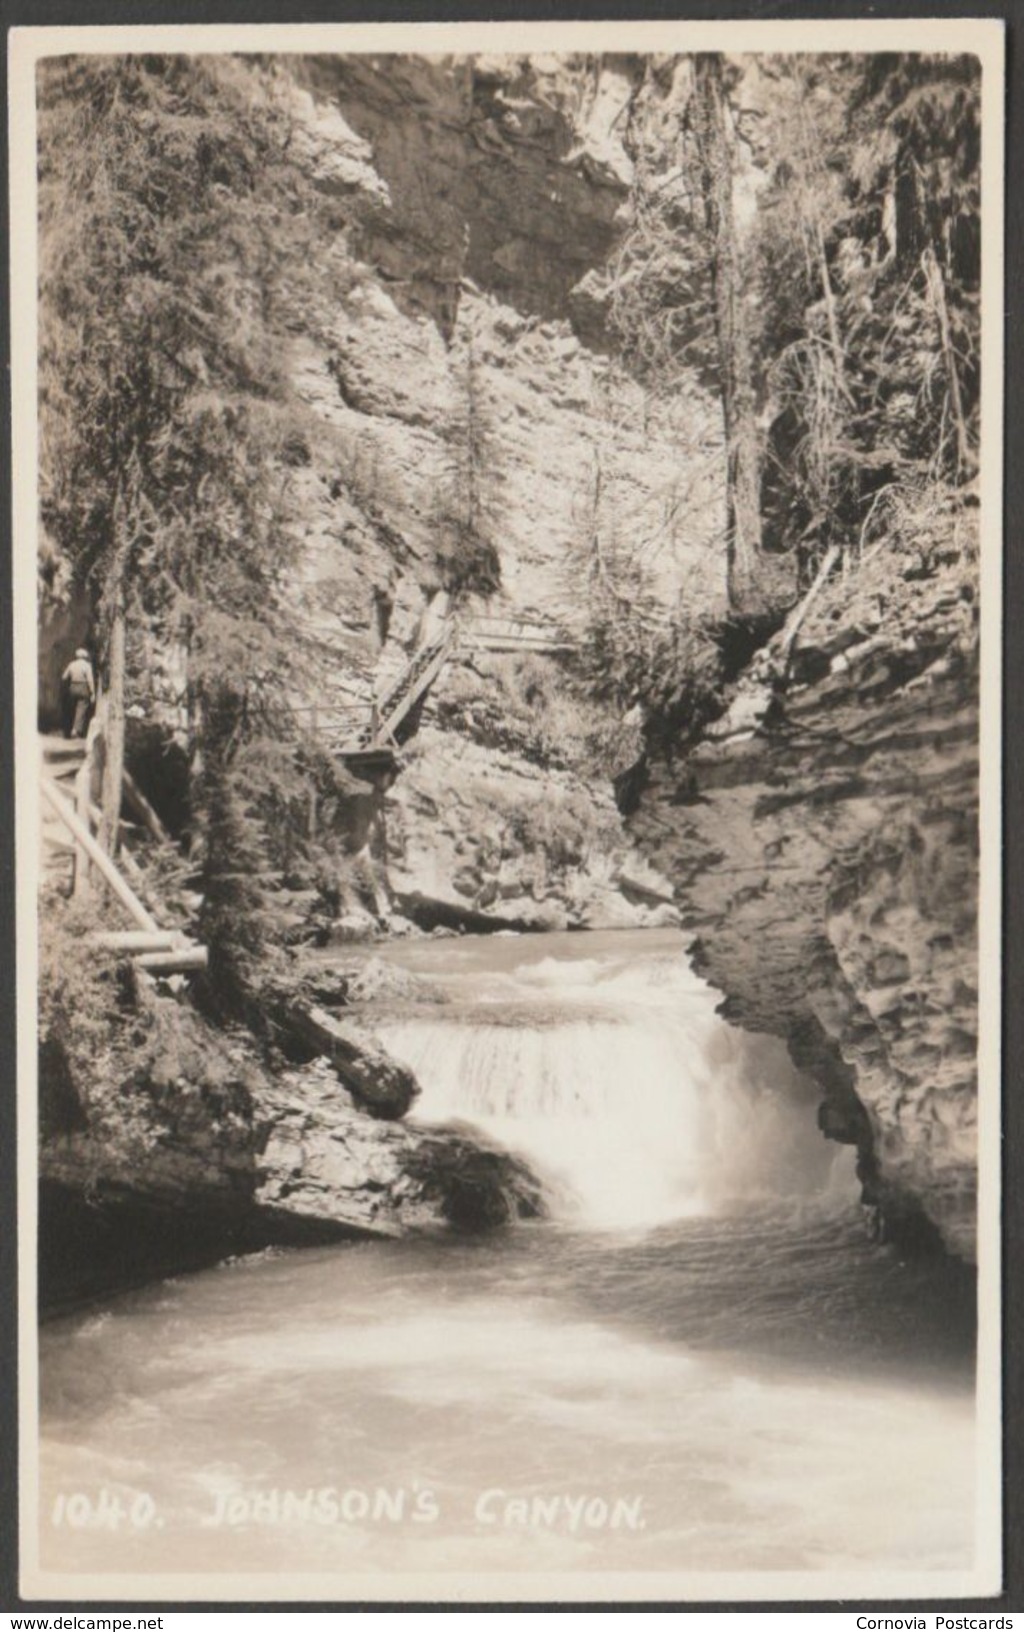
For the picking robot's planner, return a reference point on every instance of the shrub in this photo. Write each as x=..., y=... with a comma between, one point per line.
x=468, y=563
x=672, y=668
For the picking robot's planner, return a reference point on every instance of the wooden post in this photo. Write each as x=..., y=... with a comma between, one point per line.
x=83, y=790
x=143, y=809
x=78, y=830
x=117, y=637
x=113, y=725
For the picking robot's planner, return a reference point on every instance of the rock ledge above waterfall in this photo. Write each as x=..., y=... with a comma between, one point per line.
x=201, y=1151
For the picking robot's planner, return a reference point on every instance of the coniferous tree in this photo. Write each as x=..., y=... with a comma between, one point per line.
x=680, y=301
x=709, y=122
x=840, y=326
x=467, y=558
x=868, y=235
x=177, y=239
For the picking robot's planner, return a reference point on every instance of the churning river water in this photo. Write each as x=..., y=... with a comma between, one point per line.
x=699, y=1363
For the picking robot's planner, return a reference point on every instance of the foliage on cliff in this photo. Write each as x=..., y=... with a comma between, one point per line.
x=179, y=236
x=802, y=245
x=854, y=204
x=79, y=1011
x=804, y=237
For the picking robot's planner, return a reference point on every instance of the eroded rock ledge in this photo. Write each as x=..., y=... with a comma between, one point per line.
x=199, y=1151
x=823, y=846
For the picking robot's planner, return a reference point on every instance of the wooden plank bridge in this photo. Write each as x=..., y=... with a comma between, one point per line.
x=516, y=635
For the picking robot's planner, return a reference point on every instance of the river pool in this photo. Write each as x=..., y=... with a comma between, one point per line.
x=700, y=1362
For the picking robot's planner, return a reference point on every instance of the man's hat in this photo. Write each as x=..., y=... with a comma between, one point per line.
x=81, y=652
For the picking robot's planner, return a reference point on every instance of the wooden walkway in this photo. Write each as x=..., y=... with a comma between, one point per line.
x=365, y=737
x=516, y=635
x=70, y=822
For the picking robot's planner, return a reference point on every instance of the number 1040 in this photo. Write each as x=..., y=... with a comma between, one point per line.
x=106, y=1510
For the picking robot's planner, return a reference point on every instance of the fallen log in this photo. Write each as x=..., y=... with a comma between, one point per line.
x=144, y=810
x=176, y=962
x=376, y=1082
x=127, y=862
x=139, y=940
x=792, y=626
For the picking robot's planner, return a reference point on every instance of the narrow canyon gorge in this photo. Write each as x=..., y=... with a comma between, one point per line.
x=471, y=456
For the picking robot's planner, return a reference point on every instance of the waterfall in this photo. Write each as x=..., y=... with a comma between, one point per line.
x=618, y=1081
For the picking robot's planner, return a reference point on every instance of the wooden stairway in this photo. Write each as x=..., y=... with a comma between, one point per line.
x=366, y=739
x=413, y=683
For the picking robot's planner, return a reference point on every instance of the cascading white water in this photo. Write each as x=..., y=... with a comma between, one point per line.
x=622, y=1083
x=715, y=1370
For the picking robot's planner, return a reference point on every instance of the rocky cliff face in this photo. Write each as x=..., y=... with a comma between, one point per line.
x=462, y=386
x=822, y=844
x=459, y=386
x=820, y=841
x=506, y=171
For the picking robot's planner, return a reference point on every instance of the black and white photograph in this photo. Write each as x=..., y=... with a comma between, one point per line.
x=507, y=562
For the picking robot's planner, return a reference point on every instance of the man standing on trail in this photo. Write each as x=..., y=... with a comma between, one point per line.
x=80, y=691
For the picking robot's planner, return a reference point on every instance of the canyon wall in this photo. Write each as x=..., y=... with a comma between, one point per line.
x=458, y=387
x=822, y=842
x=464, y=387
x=823, y=846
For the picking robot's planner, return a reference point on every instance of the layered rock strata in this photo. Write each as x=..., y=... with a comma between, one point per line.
x=823, y=844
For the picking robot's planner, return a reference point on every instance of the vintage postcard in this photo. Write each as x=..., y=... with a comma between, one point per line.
x=508, y=632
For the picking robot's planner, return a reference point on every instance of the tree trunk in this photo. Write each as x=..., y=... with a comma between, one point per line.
x=745, y=574
x=113, y=729
x=937, y=291
x=920, y=233
x=113, y=725
x=811, y=156
x=141, y=807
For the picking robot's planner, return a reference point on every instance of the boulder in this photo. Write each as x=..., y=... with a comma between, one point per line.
x=378, y=981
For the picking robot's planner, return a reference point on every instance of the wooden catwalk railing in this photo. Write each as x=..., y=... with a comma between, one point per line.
x=69, y=818
x=366, y=734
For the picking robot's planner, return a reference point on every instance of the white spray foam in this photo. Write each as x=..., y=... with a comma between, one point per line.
x=621, y=1082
